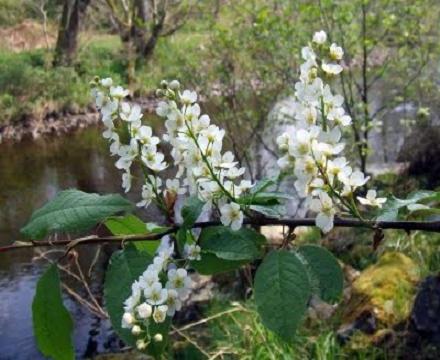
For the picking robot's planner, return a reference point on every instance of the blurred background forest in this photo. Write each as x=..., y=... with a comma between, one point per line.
x=243, y=57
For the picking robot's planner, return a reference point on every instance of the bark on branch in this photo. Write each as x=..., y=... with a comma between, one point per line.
x=431, y=226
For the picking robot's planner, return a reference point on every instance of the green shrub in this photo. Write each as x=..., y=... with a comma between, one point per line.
x=15, y=11
x=27, y=84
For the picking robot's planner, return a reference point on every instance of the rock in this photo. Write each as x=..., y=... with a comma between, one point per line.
x=381, y=297
x=424, y=325
x=420, y=149
x=320, y=310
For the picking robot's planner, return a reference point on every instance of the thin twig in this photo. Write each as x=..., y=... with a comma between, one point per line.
x=191, y=341
x=93, y=306
x=209, y=318
x=60, y=267
x=94, y=261
x=221, y=352
x=87, y=287
x=83, y=302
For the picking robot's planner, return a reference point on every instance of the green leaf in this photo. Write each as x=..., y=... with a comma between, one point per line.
x=389, y=214
x=262, y=185
x=210, y=264
x=425, y=213
x=325, y=271
x=390, y=210
x=191, y=210
x=282, y=291
x=131, y=225
x=51, y=321
x=269, y=211
x=126, y=225
x=155, y=229
x=270, y=198
x=264, y=198
x=124, y=268
x=73, y=211
x=258, y=196
x=181, y=237
x=244, y=244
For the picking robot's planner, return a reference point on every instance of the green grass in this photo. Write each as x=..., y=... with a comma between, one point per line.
x=29, y=85
x=241, y=335
x=423, y=247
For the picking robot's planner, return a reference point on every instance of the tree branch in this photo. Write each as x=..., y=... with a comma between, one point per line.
x=431, y=226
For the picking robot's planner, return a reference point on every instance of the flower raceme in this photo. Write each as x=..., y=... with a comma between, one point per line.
x=123, y=120
x=156, y=295
x=203, y=170
x=313, y=150
x=209, y=173
x=196, y=150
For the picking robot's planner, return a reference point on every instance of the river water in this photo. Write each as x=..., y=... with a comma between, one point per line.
x=31, y=173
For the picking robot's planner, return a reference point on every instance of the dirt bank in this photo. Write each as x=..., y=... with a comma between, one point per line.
x=54, y=123
x=59, y=122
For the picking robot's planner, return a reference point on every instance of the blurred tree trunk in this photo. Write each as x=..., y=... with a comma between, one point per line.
x=148, y=26
x=141, y=23
x=67, y=42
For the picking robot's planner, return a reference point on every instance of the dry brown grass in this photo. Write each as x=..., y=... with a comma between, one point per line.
x=27, y=35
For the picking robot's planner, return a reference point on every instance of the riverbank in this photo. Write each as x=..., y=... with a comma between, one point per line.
x=38, y=99
x=55, y=123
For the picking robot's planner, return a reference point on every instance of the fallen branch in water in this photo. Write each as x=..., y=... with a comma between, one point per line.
x=431, y=226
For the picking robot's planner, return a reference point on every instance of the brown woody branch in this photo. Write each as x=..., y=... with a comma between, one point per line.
x=431, y=226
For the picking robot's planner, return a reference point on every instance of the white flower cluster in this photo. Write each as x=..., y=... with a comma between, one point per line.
x=158, y=293
x=197, y=153
x=196, y=149
x=313, y=148
x=123, y=120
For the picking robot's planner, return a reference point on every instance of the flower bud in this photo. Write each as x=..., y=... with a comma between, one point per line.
x=136, y=330
x=107, y=82
x=423, y=112
x=144, y=310
x=160, y=93
x=174, y=85
x=141, y=344
x=158, y=337
x=128, y=318
x=320, y=37
x=164, y=84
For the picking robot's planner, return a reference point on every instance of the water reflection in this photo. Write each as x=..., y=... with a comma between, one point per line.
x=30, y=174
x=16, y=291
